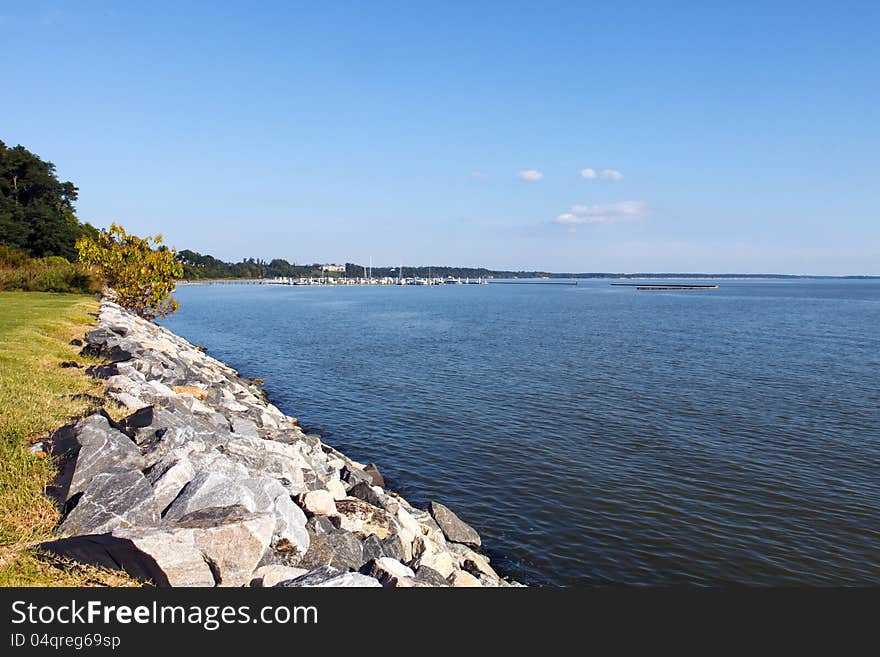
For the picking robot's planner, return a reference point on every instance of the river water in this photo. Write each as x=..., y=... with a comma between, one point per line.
x=594, y=434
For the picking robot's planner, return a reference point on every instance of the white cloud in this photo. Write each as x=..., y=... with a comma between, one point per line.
x=589, y=174
x=603, y=213
x=611, y=174
x=531, y=175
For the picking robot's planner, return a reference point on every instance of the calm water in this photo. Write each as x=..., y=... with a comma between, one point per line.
x=594, y=434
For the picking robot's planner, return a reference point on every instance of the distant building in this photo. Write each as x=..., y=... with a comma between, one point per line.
x=336, y=268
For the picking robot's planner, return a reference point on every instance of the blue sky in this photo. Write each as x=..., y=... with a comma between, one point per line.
x=724, y=137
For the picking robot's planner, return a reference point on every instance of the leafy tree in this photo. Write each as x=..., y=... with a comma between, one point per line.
x=142, y=271
x=36, y=209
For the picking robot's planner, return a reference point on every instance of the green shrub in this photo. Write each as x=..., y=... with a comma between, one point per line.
x=54, y=260
x=51, y=274
x=10, y=257
x=141, y=270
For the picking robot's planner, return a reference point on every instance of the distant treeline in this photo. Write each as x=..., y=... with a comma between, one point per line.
x=198, y=266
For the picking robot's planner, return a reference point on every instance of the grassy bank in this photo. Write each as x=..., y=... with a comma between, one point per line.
x=37, y=396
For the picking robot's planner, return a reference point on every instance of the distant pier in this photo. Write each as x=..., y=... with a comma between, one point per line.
x=666, y=286
x=532, y=282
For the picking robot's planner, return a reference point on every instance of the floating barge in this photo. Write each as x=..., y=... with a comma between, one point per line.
x=666, y=286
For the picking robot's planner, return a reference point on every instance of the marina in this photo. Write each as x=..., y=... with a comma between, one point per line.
x=385, y=280
x=338, y=280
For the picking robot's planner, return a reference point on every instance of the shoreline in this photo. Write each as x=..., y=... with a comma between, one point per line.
x=206, y=483
x=556, y=280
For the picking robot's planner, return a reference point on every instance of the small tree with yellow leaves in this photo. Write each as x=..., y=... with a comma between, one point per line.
x=142, y=271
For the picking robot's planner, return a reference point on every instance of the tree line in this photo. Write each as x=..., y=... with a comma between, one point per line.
x=36, y=208
x=197, y=266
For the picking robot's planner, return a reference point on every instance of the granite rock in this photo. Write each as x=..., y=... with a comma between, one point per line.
x=116, y=497
x=331, y=577
x=453, y=527
x=89, y=448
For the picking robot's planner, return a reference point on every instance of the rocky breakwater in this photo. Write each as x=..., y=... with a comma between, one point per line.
x=205, y=483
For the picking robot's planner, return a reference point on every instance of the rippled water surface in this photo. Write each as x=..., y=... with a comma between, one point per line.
x=594, y=434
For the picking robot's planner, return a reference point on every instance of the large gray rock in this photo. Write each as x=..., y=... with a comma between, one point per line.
x=244, y=427
x=107, y=345
x=363, y=491
x=99, y=336
x=210, y=547
x=172, y=431
x=140, y=419
x=351, y=580
x=426, y=576
x=290, y=539
x=89, y=448
x=157, y=445
x=174, y=553
x=210, y=459
x=107, y=551
x=232, y=541
x=339, y=549
x=210, y=489
x=372, y=547
x=144, y=424
x=268, y=458
x=170, y=479
x=310, y=578
x=321, y=525
x=393, y=547
x=122, y=383
x=114, y=498
x=331, y=577
x=453, y=527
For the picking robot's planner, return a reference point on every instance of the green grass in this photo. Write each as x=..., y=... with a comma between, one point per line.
x=36, y=397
